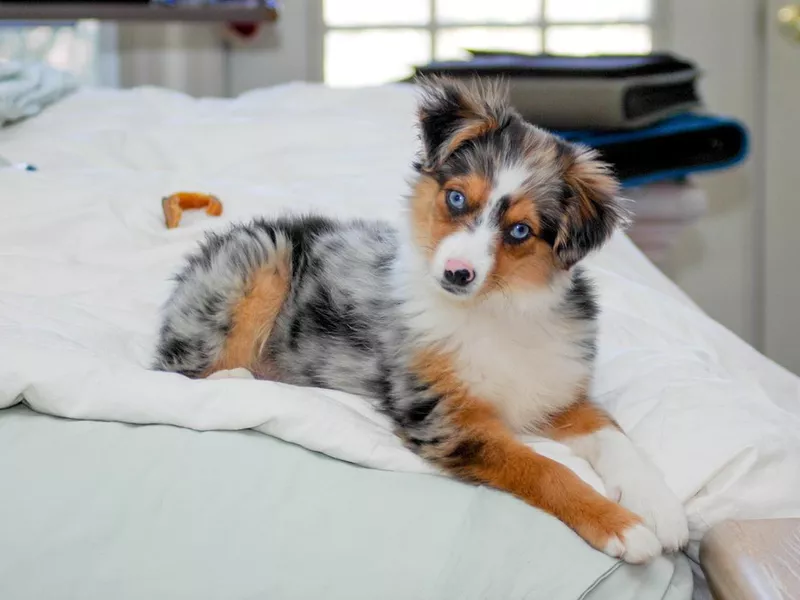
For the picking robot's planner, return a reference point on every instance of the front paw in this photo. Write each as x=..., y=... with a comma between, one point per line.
x=650, y=498
x=618, y=532
x=636, y=545
x=238, y=373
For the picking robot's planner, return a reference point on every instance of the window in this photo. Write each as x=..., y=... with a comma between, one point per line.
x=368, y=42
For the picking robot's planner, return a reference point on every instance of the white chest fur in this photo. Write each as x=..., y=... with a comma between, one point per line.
x=528, y=367
x=520, y=354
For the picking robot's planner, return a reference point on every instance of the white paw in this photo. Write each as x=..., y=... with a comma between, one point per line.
x=646, y=494
x=637, y=484
x=636, y=545
x=239, y=373
x=665, y=516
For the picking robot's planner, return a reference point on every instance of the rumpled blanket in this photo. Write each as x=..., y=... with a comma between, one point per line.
x=27, y=88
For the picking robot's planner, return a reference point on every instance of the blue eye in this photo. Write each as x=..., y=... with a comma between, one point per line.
x=519, y=232
x=456, y=201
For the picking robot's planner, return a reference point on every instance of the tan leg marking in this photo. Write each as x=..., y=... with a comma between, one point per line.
x=582, y=418
x=254, y=316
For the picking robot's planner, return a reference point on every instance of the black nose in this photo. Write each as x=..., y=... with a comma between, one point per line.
x=460, y=277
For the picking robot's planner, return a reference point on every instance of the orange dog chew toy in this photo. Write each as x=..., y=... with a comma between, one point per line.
x=175, y=204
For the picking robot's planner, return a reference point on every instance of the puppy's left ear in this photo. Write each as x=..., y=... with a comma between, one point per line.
x=592, y=209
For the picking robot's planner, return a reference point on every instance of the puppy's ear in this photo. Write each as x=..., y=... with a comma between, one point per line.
x=592, y=209
x=452, y=112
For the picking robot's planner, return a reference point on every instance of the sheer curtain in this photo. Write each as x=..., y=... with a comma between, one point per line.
x=85, y=48
x=180, y=56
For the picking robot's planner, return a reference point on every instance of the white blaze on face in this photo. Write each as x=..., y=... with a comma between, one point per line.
x=508, y=181
x=476, y=246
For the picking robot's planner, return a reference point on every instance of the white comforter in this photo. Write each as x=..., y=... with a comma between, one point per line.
x=85, y=262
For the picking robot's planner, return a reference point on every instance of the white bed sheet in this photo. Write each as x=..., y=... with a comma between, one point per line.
x=85, y=263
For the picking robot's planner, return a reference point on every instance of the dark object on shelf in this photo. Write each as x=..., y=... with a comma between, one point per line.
x=598, y=92
x=672, y=149
x=63, y=2
x=137, y=10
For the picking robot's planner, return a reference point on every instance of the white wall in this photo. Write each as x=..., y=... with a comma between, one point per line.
x=781, y=185
x=715, y=260
x=207, y=60
x=184, y=57
x=280, y=53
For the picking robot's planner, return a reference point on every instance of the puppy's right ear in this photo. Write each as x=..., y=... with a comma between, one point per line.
x=452, y=112
x=592, y=208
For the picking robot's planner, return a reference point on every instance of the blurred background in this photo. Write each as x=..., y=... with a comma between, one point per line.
x=343, y=42
x=734, y=250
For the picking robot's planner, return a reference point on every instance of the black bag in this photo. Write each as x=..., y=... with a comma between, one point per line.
x=596, y=92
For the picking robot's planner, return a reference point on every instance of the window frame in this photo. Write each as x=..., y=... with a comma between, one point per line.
x=318, y=28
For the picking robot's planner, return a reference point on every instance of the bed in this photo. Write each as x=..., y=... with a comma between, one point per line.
x=121, y=482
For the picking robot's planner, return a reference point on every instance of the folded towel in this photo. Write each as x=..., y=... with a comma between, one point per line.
x=27, y=88
x=671, y=149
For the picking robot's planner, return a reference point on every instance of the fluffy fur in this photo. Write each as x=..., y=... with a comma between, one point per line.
x=459, y=360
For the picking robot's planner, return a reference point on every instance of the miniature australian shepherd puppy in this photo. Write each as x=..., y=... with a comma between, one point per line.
x=470, y=324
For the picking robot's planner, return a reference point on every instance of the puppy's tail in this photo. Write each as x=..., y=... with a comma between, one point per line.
x=227, y=298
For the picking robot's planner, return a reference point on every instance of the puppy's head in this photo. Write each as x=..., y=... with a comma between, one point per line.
x=501, y=205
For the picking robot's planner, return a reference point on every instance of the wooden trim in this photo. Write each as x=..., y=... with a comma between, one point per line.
x=753, y=560
x=42, y=11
